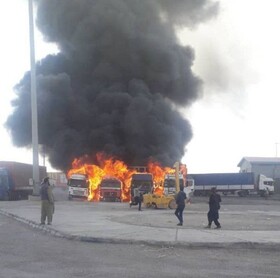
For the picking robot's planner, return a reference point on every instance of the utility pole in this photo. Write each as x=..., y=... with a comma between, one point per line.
x=177, y=182
x=34, y=116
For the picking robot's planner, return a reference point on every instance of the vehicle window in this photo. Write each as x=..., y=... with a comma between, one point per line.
x=111, y=184
x=78, y=183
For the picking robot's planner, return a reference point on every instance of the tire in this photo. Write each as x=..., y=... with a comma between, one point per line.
x=172, y=204
x=196, y=193
x=243, y=193
x=262, y=194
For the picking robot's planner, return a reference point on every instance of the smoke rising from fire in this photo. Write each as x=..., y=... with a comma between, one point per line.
x=115, y=85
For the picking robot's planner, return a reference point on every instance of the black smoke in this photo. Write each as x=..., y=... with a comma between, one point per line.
x=117, y=82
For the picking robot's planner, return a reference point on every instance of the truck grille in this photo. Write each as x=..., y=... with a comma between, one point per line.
x=78, y=193
x=110, y=194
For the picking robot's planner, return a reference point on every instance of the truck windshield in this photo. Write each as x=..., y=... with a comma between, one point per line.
x=268, y=182
x=78, y=183
x=108, y=184
x=144, y=186
x=171, y=183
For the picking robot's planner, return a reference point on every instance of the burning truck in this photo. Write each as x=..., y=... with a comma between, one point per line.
x=112, y=180
x=108, y=180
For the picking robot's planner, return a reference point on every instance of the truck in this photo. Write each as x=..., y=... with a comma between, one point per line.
x=231, y=183
x=110, y=190
x=141, y=183
x=78, y=186
x=16, y=180
x=170, y=183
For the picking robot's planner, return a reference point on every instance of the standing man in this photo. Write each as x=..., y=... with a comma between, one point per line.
x=47, y=202
x=140, y=201
x=180, y=201
x=214, y=206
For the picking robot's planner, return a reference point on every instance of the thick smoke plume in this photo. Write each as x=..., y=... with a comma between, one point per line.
x=115, y=85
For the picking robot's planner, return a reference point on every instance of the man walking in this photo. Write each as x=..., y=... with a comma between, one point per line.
x=140, y=201
x=47, y=202
x=214, y=206
x=180, y=201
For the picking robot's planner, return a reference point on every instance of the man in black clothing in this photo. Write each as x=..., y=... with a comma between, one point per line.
x=214, y=206
x=140, y=201
x=180, y=201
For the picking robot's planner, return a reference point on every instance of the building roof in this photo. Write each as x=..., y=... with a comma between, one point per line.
x=260, y=160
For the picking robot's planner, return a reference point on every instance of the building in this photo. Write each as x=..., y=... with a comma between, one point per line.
x=268, y=166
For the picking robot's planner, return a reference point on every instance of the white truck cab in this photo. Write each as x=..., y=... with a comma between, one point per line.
x=266, y=185
x=78, y=186
x=170, y=183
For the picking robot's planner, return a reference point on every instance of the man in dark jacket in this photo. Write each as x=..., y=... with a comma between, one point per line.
x=214, y=206
x=180, y=201
x=47, y=202
x=140, y=201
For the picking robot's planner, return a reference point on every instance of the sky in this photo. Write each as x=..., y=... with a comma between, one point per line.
x=236, y=56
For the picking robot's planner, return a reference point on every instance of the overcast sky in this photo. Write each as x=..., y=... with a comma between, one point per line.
x=237, y=56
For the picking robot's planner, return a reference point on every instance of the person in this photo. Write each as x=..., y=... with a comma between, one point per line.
x=140, y=200
x=47, y=202
x=180, y=201
x=214, y=206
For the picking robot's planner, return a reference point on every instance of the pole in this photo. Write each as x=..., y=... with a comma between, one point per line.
x=34, y=120
x=176, y=165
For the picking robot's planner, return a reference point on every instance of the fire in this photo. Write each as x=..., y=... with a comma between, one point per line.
x=94, y=174
x=111, y=167
x=184, y=171
x=106, y=167
x=158, y=173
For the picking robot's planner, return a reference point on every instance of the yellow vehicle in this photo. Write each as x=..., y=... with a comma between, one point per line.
x=157, y=201
x=166, y=200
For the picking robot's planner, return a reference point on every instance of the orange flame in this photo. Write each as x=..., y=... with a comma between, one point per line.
x=184, y=171
x=118, y=169
x=158, y=173
x=107, y=167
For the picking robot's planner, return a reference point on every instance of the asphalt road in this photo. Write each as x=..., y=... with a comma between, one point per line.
x=28, y=253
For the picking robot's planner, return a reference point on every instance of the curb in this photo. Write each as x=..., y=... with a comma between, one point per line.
x=177, y=244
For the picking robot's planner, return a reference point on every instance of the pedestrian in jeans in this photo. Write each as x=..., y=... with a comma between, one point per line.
x=214, y=206
x=180, y=201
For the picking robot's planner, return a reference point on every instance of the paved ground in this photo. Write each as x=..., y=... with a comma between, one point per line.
x=245, y=222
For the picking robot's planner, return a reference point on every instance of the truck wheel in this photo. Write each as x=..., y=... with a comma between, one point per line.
x=243, y=193
x=262, y=193
x=196, y=193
